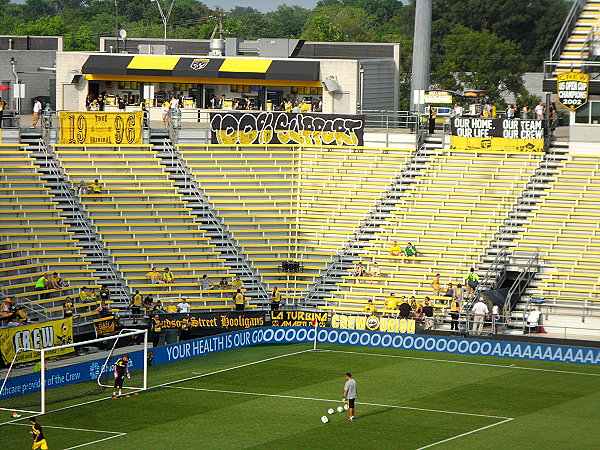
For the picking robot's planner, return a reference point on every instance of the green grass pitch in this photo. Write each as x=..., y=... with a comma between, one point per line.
x=278, y=395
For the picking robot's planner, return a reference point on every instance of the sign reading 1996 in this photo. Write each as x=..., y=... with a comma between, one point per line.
x=99, y=127
x=573, y=89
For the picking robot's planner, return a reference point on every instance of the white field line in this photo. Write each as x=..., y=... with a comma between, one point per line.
x=512, y=366
x=115, y=433
x=465, y=434
x=258, y=394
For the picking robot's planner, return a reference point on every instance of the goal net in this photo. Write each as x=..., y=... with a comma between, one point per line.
x=66, y=375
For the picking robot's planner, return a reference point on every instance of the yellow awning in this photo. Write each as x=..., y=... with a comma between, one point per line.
x=153, y=62
x=245, y=65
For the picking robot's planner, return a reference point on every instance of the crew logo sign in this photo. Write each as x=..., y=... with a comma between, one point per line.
x=232, y=128
x=198, y=64
x=573, y=89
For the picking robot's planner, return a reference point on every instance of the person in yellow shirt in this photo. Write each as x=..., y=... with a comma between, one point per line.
x=168, y=277
x=84, y=295
x=395, y=249
x=172, y=307
x=56, y=282
x=276, y=300
x=136, y=305
x=154, y=276
x=370, y=307
x=435, y=284
x=237, y=283
x=391, y=304
x=95, y=188
x=239, y=300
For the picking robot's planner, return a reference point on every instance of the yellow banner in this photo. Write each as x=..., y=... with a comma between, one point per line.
x=573, y=89
x=104, y=326
x=373, y=323
x=36, y=336
x=497, y=144
x=94, y=127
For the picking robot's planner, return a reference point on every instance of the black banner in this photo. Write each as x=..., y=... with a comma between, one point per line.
x=210, y=323
x=298, y=318
x=525, y=135
x=243, y=128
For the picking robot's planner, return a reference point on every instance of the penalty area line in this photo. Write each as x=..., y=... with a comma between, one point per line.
x=411, y=408
x=465, y=434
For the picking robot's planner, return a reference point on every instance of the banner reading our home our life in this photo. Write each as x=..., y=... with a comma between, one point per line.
x=523, y=135
x=100, y=127
x=239, y=128
x=36, y=336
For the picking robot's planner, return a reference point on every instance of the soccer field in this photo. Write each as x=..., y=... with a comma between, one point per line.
x=273, y=396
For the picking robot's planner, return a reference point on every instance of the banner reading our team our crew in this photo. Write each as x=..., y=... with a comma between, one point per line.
x=36, y=336
x=298, y=318
x=244, y=128
x=211, y=323
x=523, y=135
x=100, y=127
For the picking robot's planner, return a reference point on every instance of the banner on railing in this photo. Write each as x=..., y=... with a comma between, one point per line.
x=104, y=326
x=523, y=135
x=244, y=128
x=100, y=127
x=36, y=336
x=298, y=318
x=373, y=323
x=210, y=323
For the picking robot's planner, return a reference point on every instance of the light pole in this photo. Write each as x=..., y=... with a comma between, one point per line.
x=165, y=19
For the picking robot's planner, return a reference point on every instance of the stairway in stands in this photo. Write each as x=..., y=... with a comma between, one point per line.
x=572, y=45
x=93, y=247
x=220, y=236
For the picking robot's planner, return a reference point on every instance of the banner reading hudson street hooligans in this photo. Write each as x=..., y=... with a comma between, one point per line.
x=498, y=135
x=210, y=323
x=100, y=127
x=36, y=336
x=239, y=128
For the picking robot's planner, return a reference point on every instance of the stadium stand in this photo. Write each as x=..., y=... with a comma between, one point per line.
x=35, y=240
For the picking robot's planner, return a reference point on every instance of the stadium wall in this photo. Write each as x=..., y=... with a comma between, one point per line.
x=88, y=371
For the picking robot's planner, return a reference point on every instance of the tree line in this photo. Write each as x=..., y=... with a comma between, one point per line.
x=480, y=44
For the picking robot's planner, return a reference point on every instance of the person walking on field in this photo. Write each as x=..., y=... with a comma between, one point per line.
x=350, y=394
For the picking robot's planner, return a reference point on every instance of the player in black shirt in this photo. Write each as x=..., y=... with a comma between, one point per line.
x=39, y=441
x=121, y=370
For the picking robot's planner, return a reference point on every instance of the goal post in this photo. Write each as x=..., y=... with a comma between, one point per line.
x=62, y=374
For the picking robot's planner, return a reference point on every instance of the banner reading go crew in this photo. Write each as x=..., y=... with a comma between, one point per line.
x=36, y=336
x=99, y=127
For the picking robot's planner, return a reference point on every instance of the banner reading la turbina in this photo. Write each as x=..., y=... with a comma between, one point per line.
x=245, y=128
x=210, y=323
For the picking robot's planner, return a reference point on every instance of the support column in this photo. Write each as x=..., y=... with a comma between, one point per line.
x=421, y=54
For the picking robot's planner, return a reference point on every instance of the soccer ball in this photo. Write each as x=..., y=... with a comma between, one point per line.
x=330, y=411
x=346, y=406
x=340, y=409
x=324, y=419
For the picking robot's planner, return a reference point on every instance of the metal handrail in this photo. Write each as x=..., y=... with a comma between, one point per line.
x=197, y=192
x=525, y=272
x=490, y=277
x=564, y=33
x=76, y=206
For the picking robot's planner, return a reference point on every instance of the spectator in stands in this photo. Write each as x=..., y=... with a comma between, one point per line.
x=155, y=329
x=459, y=294
x=95, y=188
x=68, y=308
x=454, y=313
x=165, y=109
x=428, y=313
x=374, y=270
x=404, y=309
x=525, y=112
x=206, y=284
x=223, y=284
x=539, y=110
x=450, y=292
x=472, y=280
x=414, y=304
x=391, y=304
x=172, y=307
x=275, y=299
x=238, y=300
x=517, y=111
x=55, y=281
x=510, y=112
x=84, y=295
x=6, y=311
x=185, y=328
x=94, y=106
x=237, y=283
x=93, y=295
x=184, y=306
x=359, y=271
x=103, y=310
x=43, y=284
x=479, y=312
x=104, y=293
x=168, y=277
x=136, y=306
x=495, y=317
x=435, y=284
x=410, y=250
x=37, y=109
x=154, y=276
x=395, y=249
x=370, y=307
x=158, y=307
x=21, y=315
x=418, y=313
x=432, y=114
x=82, y=188
x=458, y=110
x=148, y=301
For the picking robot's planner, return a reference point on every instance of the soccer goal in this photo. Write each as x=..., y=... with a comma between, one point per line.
x=63, y=375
